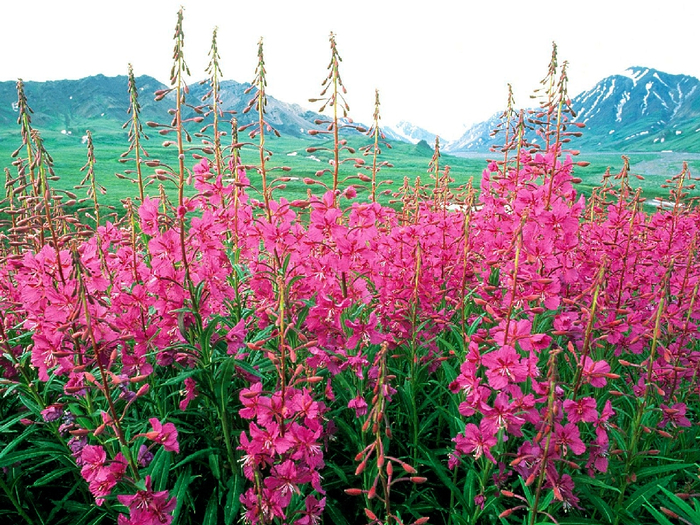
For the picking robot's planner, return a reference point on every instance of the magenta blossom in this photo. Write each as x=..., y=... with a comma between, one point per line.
x=359, y=405
x=504, y=366
x=147, y=507
x=582, y=410
x=166, y=435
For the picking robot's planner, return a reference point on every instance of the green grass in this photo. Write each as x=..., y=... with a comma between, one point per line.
x=408, y=160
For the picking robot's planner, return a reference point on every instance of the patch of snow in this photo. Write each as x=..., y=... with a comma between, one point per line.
x=15, y=107
x=292, y=154
x=102, y=114
x=646, y=97
x=666, y=150
x=64, y=132
x=610, y=91
x=662, y=140
x=656, y=140
x=595, y=103
x=641, y=133
x=657, y=77
x=70, y=98
x=625, y=98
x=84, y=139
x=634, y=75
x=662, y=204
x=678, y=132
x=313, y=157
x=611, y=132
x=663, y=102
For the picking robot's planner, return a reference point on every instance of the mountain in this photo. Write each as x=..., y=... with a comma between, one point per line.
x=477, y=138
x=641, y=109
x=407, y=132
x=72, y=106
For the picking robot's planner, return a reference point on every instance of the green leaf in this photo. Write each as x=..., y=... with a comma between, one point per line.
x=439, y=468
x=660, y=517
x=682, y=508
x=214, y=465
x=336, y=515
x=235, y=487
x=48, y=478
x=24, y=455
x=587, y=480
x=178, y=378
x=180, y=491
x=195, y=455
x=12, y=444
x=159, y=469
x=661, y=469
x=210, y=515
x=58, y=505
x=646, y=491
x=600, y=505
x=576, y=521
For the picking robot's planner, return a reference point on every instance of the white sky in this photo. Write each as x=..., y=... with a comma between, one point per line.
x=440, y=64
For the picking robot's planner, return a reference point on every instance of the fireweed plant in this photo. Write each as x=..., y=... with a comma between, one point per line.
x=501, y=352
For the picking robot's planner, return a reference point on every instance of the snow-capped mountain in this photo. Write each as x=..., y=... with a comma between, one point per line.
x=640, y=109
x=407, y=132
x=476, y=138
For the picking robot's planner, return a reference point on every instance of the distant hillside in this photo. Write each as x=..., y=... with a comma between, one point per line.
x=74, y=105
x=640, y=110
x=77, y=105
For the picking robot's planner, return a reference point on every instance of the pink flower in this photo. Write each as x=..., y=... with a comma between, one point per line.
x=236, y=337
x=314, y=511
x=563, y=488
x=190, y=393
x=364, y=333
x=350, y=192
x=147, y=507
x=675, y=415
x=476, y=440
x=504, y=366
x=148, y=213
x=144, y=457
x=568, y=437
x=595, y=372
x=93, y=458
x=582, y=410
x=284, y=480
x=52, y=412
x=166, y=435
x=359, y=405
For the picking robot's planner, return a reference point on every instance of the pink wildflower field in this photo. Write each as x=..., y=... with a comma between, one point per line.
x=502, y=351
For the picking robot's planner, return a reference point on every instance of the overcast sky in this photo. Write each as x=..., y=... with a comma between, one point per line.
x=440, y=64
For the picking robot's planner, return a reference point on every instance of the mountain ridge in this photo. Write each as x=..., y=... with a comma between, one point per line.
x=639, y=109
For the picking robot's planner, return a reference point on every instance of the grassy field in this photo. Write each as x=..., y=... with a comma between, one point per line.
x=408, y=160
